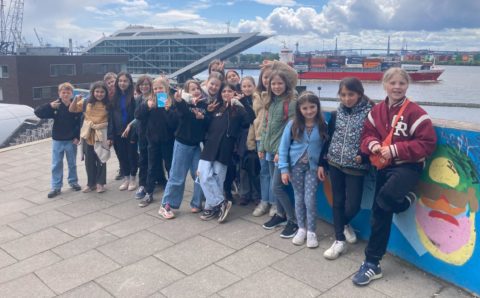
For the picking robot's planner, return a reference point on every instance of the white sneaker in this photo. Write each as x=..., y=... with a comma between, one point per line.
x=261, y=209
x=312, y=241
x=350, y=235
x=337, y=248
x=273, y=210
x=299, y=238
x=124, y=184
x=132, y=185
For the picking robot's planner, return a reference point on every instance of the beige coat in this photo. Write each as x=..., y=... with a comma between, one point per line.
x=259, y=107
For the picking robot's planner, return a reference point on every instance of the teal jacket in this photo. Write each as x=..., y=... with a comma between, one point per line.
x=274, y=123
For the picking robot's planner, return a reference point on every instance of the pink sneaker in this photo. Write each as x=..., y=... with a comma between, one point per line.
x=166, y=212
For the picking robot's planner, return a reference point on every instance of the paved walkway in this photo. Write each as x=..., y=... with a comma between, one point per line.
x=103, y=245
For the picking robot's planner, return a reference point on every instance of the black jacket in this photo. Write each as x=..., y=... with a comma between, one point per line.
x=115, y=122
x=66, y=125
x=190, y=130
x=160, y=123
x=223, y=130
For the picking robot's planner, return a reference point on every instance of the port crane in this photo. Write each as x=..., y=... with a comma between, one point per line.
x=11, y=26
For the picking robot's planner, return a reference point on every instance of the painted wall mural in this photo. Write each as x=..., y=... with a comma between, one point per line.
x=439, y=233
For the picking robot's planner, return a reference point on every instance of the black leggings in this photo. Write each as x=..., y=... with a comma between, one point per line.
x=158, y=152
x=127, y=155
x=347, y=195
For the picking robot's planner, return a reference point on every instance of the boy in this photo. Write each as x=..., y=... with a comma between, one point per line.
x=65, y=135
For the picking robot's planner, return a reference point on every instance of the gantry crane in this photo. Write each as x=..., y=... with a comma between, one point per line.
x=11, y=26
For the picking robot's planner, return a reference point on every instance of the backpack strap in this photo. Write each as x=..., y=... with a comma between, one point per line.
x=388, y=139
x=286, y=103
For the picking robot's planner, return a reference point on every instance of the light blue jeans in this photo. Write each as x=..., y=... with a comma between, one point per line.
x=184, y=158
x=265, y=179
x=59, y=149
x=211, y=176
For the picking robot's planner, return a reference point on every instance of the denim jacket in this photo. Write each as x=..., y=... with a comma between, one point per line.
x=290, y=151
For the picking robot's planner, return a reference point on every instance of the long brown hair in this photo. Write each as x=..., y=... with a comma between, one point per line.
x=298, y=126
x=289, y=88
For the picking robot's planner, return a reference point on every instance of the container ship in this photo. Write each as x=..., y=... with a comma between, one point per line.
x=336, y=67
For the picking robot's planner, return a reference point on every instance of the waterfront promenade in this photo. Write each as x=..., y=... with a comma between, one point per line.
x=103, y=245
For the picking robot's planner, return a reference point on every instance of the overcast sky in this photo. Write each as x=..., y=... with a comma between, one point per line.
x=314, y=24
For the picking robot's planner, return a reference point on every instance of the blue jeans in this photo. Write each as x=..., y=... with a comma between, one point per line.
x=212, y=175
x=59, y=149
x=284, y=204
x=265, y=187
x=184, y=158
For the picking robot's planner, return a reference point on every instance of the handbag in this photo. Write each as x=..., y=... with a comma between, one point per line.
x=377, y=160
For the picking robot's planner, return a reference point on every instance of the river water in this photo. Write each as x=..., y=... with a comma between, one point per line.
x=458, y=84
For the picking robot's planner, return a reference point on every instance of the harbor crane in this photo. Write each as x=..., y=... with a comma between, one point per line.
x=11, y=26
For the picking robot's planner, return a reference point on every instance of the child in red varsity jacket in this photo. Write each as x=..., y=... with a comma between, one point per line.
x=413, y=140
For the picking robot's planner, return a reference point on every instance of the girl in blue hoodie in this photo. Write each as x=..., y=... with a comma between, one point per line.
x=299, y=152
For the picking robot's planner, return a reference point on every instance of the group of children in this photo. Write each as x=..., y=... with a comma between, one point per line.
x=265, y=137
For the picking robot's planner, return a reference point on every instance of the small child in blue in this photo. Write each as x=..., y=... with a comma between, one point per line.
x=299, y=152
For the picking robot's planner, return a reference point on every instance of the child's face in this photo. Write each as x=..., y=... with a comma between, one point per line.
x=99, y=94
x=247, y=87
x=158, y=87
x=123, y=83
x=227, y=94
x=266, y=78
x=144, y=87
x=396, y=88
x=233, y=78
x=110, y=84
x=277, y=86
x=65, y=94
x=348, y=98
x=213, y=85
x=194, y=90
x=309, y=110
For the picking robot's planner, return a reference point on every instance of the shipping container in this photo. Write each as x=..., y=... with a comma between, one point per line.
x=354, y=60
x=318, y=60
x=371, y=64
x=333, y=65
x=301, y=60
x=359, y=65
x=336, y=59
x=317, y=65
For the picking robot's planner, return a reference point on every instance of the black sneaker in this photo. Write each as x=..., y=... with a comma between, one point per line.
x=274, y=222
x=53, y=193
x=75, y=186
x=146, y=200
x=290, y=230
x=367, y=272
x=224, y=208
x=209, y=214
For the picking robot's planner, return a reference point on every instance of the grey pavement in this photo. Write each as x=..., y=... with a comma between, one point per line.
x=103, y=245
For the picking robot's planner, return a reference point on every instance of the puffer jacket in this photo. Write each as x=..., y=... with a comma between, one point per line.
x=255, y=131
x=345, y=142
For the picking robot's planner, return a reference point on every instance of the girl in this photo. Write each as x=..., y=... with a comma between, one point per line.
x=249, y=180
x=144, y=89
x=121, y=114
x=413, y=141
x=281, y=95
x=109, y=79
x=227, y=119
x=160, y=124
x=299, y=152
x=93, y=135
x=212, y=87
x=345, y=163
x=232, y=77
x=190, y=109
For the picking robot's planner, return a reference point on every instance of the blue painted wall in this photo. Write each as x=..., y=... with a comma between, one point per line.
x=439, y=233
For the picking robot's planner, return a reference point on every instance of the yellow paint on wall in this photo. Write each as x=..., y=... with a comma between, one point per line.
x=442, y=170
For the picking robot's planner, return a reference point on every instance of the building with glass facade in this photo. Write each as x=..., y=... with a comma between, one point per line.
x=166, y=51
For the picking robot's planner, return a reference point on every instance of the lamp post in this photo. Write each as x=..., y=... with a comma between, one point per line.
x=319, y=88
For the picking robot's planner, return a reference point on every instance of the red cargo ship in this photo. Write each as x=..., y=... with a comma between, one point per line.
x=363, y=68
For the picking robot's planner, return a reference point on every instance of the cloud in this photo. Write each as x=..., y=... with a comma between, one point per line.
x=175, y=16
x=277, y=2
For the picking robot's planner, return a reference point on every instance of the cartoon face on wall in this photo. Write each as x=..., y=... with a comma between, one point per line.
x=445, y=212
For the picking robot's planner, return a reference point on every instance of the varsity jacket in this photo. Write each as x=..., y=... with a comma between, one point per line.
x=413, y=139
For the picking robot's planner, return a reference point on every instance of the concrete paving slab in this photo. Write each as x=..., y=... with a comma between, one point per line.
x=181, y=228
x=14, y=206
x=39, y=222
x=6, y=219
x=90, y=289
x=347, y=289
x=134, y=247
x=27, y=286
x=6, y=259
x=87, y=224
x=274, y=240
x=8, y=234
x=237, y=233
x=83, y=244
x=27, y=266
x=309, y=266
x=85, y=206
x=73, y=272
x=128, y=209
x=140, y=279
x=202, y=283
x=449, y=291
x=251, y=259
x=46, y=206
x=35, y=243
x=194, y=254
x=269, y=283
x=132, y=225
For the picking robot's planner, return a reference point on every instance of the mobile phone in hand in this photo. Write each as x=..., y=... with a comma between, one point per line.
x=161, y=99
